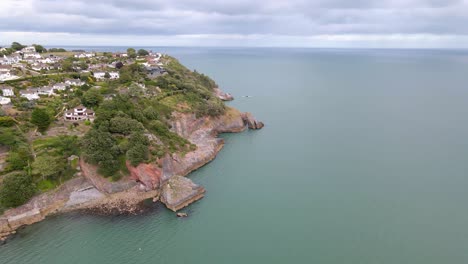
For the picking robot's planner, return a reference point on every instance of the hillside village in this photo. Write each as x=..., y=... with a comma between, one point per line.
x=108, y=109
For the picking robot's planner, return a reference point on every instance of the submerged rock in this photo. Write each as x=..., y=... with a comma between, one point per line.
x=182, y=214
x=178, y=192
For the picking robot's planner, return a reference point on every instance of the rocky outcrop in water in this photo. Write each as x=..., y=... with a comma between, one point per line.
x=251, y=122
x=178, y=192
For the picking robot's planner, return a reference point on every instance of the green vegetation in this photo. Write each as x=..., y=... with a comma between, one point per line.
x=16, y=189
x=50, y=167
x=92, y=98
x=17, y=46
x=40, y=118
x=57, y=50
x=7, y=121
x=142, y=52
x=39, y=48
x=189, y=91
x=131, y=53
x=132, y=124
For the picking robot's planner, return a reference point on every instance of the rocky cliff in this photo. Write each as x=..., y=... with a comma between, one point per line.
x=165, y=178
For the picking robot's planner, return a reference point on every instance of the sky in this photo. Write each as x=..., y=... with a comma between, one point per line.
x=266, y=23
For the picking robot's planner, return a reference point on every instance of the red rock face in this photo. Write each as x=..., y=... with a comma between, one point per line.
x=148, y=174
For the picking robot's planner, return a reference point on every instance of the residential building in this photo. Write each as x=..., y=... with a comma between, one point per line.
x=84, y=55
x=74, y=82
x=101, y=75
x=5, y=73
x=48, y=91
x=40, y=66
x=60, y=86
x=29, y=49
x=79, y=113
x=30, y=94
x=4, y=100
x=32, y=55
x=7, y=91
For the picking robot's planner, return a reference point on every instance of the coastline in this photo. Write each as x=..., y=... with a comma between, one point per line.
x=90, y=191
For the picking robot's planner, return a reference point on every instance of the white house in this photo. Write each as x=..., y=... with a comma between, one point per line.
x=48, y=60
x=5, y=75
x=100, y=75
x=29, y=49
x=7, y=92
x=60, y=86
x=8, y=60
x=74, y=82
x=4, y=100
x=84, y=55
x=49, y=91
x=79, y=113
x=30, y=94
x=40, y=66
x=32, y=55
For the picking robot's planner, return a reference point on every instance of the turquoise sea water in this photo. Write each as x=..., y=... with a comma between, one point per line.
x=364, y=159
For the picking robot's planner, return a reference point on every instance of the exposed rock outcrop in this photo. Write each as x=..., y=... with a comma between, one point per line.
x=102, y=184
x=148, y=174
x=40, y=206
x=178, y=192
x=222, y=95
x=251, y=122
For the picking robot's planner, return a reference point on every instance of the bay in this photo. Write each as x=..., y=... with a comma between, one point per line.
x=364, y=159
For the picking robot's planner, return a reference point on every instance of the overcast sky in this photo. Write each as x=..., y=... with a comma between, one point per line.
x=304, y=23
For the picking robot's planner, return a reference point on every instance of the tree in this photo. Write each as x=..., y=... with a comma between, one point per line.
x=142, y=52
x=40, y=118
x=10, y=137
x=124, y=125
x=16, y=189
x=137, y=154
x=137, y=148
x=92, y=98
x=131, y=53
x=67, y=66
x=100, y=148
x=7, y=121
x=57, y=50
x=107, y=75
x=83, y=65
x=119, y=65
x=40, y=48
x=134, y=90
x=17, y=46
x=48, y=166
x=18, y=159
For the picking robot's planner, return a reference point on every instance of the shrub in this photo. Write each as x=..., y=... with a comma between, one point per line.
x=40, y=118
x=16, y=189
x=6, y=121
x=124, y=125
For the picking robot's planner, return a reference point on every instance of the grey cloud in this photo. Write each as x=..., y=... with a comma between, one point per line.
x=275, y=17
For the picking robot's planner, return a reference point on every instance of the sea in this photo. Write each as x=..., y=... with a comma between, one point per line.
x=363, y=159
